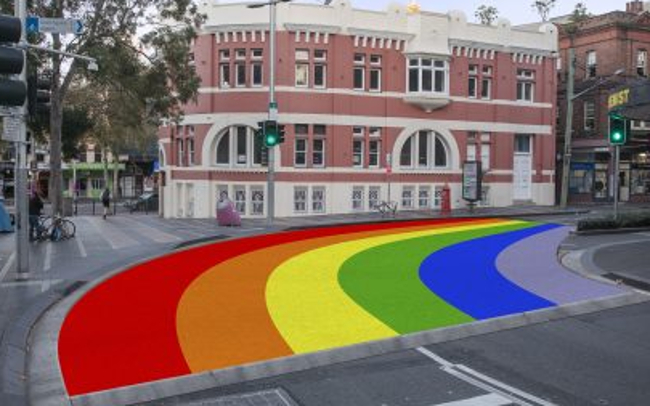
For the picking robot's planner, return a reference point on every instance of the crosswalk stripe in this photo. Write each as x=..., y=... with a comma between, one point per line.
x=486, y=400
x=80, y=245
x=7, y=265
x=47, y=261
x=116, y=238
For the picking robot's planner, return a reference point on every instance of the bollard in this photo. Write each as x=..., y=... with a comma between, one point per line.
x=445, y=201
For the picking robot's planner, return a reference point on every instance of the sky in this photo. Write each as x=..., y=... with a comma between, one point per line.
x=517, y=11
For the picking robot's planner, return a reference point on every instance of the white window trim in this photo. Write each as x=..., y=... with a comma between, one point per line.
x=324, y=85
x=433, y=69
x=363, y=78
x=322, y=152
x=296, y=151
x=362, y=142
x=370, y=89
x=237, y=66
x=306, y=66
x=253, y=65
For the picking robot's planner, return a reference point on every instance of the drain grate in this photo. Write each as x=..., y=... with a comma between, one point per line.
x=273, y=397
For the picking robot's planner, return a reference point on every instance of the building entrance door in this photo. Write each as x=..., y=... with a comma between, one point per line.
x=522, y=176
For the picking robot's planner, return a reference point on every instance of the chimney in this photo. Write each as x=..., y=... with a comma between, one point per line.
x=635, y=7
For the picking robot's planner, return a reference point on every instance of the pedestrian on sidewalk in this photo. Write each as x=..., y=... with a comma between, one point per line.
x=106, y=201
x=35, y=209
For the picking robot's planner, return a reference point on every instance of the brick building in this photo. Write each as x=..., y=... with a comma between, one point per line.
x=605, y=44
x=373, y=102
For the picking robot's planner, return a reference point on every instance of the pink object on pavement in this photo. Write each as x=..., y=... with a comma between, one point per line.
x=227, y=215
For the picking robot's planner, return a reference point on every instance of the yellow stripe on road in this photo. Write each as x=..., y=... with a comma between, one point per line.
x=311, y=310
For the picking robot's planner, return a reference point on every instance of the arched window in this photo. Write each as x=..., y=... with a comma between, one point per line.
x=236, y=146
x=424, y=150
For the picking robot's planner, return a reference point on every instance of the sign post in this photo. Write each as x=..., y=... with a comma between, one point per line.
x=472, y=181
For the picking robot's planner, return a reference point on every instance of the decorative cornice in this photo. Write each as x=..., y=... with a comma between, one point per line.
x=325, y=29
x=380, y=34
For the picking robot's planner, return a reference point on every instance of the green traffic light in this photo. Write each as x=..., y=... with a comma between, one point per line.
x=617, y=136
x=271, y=140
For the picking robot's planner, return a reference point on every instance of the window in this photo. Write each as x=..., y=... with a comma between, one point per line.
x=522, y=143
x=375, y=80
x=320, y=55
x=180, y=152
x=358, y=131
x=375, y=60
x=590, y=115
x=407, y=197
x=357, y=198
x=642, y=62
x=240, y=199
x=359, y=59
x=375, y=132
x=240, y=54
x=301, y=129
x=318, y=153
x=223, y=149
x=373, y=196
x=242, y=144
x=320, y=129
x=320, y=75
x=424, y=197
x=240, y=74
x=256, y=74
x=300, y=199
x=190, y=152
x=357, y=153
x=485, y=157
x=300, y=153
x=590, y=72
x=318, y=199
x=257, y=201
x=525, y=85
x=256, y=53
x=359, y=78
x=224, y=74
x=224, y=55
x=302, y=54
x=486, y=88
x=472, y=83
x=427, y=75
x=374, y=151
x=428, y=147
x=302, y=74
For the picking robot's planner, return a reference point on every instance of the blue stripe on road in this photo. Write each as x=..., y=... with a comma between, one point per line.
x=465, y=275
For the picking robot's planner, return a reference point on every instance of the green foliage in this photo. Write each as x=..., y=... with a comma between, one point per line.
x=579, y=13
x=76, y=125
x=624, y=220
x=543, y=8
x=486, y=14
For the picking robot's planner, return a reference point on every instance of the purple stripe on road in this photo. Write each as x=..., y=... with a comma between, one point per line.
x=532, y=264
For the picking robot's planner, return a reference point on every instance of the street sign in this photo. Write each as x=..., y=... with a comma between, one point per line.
x=11, y=129
x=472, y=181
x=10, y=111
x=54, y=25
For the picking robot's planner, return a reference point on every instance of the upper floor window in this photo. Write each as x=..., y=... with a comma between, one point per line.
x=257, y=53
x=179, y=151
x=591, y=65
x=190, y=152
x=486, y=82
x=236, y=146
x=642, y=62
x=590, y=115
x=472, y=82
x=302, y=68
x=224, y=55
x=428, y=75
x=525, y=85
x=359, y=72
x=224, y=75
x=240, y=54
x=425, y=150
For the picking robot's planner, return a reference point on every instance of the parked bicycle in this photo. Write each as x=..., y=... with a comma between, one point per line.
x=387, y=208
x=55, y=228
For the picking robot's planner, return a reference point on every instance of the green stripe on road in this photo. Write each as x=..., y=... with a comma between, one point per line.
x=385, y=281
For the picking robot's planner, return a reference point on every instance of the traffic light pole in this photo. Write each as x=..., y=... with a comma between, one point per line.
x=568, y=130
x=20, y=190
x=617, y=161
x=273, y=112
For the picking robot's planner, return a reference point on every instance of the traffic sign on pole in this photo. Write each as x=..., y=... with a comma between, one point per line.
x=54, y=25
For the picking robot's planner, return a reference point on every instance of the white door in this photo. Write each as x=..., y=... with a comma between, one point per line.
x=522, y=176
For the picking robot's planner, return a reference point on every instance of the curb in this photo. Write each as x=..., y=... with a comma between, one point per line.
x=612, y=231
x=159, y=390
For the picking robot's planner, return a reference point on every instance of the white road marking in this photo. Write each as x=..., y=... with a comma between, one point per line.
x=47, y=262
x=154, y=233
x=7, y=266
x=485, y=382
x=80, y=245
x=47, y=282
x=486, y=400
x=116, y=238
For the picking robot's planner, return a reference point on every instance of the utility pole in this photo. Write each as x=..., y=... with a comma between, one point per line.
x=20, y=172
x=273, y=115
x=568, y=129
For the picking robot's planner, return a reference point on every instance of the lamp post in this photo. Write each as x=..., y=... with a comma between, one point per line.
x=273, y=105
x=568, y=130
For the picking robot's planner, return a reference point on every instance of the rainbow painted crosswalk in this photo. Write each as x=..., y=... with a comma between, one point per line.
x=271, y=296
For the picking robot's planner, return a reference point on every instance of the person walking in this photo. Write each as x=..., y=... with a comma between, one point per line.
x=35, y=209
x=106, y=201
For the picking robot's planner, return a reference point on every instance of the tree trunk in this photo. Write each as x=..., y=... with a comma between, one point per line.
x=105, y=162
x=116, y=177
x=56, y=181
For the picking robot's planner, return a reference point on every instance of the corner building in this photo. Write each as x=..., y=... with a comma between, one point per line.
x=377, y=106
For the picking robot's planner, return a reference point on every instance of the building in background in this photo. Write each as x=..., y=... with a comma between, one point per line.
x=619, y=40
x=377, y=106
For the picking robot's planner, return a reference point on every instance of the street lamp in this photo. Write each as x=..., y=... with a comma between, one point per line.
x=273, y=105
x=568, y=130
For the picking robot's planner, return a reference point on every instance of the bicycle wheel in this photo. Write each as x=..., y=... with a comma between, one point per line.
x=54, y=232
x=68, y=229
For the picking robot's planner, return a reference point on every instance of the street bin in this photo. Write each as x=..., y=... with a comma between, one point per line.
x=67, y=207
x=227, y=215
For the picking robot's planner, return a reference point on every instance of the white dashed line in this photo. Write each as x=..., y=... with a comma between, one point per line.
x=486, y=400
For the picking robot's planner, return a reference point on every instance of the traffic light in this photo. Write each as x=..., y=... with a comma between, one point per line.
x=280, y=133
x=38, y=94
x=618, y=129
x=261, y=151
x=12, y=60
x=271, y=136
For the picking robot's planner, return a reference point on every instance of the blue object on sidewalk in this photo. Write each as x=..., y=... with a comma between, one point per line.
x=5, y=220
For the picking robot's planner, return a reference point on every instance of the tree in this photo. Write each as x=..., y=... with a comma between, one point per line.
x=543, y=8
x=75, y=127
x=579, y=13
x=486, y=14
x=112, y=28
